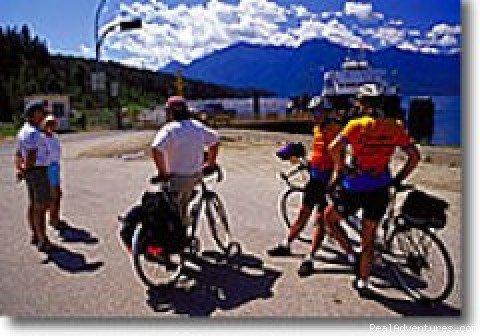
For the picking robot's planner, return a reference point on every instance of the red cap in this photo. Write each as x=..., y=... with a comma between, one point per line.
x=175, y=100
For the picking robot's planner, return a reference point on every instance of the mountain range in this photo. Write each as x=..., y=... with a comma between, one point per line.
x=293, y=71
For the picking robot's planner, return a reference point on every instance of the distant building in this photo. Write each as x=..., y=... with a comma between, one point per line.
x=58, y=105
x=245, y=106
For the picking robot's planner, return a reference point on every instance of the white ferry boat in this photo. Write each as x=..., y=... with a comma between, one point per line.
x=353, y=74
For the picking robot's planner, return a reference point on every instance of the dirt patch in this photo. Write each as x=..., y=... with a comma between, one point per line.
x=132, y=144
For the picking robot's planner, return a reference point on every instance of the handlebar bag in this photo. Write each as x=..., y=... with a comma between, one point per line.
x=421, y=208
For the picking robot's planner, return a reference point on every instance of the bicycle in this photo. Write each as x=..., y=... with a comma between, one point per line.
x=404, y=244
x=157, y=269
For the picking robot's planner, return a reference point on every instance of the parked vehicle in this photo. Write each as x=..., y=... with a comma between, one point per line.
x=214, y=113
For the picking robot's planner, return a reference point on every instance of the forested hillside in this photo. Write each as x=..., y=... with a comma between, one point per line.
x=27, y=68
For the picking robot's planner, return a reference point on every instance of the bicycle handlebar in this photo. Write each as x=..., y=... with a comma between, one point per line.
x=402, y=187
x=207, y=173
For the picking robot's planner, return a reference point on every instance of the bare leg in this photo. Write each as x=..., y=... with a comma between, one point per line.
x=40, y=212
x=369, y=228
x=55, y=206
x=31, y=218
x=318, y=235
x=297, y=227
x=332, y=219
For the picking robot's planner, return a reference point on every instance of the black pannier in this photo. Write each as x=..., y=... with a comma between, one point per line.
x=423, y=209
x=160, y=218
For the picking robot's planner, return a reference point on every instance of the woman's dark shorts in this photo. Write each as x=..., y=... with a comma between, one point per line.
x=374, y=203
x=38, y=185
x=314, y=194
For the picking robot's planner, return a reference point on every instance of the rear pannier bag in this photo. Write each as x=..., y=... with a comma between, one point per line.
x=160, y=218
x=423, y=209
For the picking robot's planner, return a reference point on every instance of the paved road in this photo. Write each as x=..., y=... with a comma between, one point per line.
x=92, y=275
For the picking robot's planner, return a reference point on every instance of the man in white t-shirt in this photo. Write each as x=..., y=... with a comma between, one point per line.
x=178, y=152
x=32, y=160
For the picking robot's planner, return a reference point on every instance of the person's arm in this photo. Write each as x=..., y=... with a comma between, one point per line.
x=212, y=154
x=19, y=165
x=337, y=149
x=211, y=140
x=31, y=159
x=160, y=147
x=412, y=162
x=160, y=164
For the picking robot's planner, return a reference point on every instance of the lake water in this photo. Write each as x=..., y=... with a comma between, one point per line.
x=447, y=128
x=448, y=119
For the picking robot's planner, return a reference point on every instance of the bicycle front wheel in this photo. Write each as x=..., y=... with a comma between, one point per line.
x=218, y=222
x=154, y=267
x=421, y=263
x=290, y=204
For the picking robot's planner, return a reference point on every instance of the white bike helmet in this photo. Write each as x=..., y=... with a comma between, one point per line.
x=369, y=91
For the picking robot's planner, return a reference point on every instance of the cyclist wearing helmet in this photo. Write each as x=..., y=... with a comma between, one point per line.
x=178, y=152
x=373, y=139
x=324, y=131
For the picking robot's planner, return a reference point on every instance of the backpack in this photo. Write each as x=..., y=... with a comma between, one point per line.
x=161, y=220
x=423, y=209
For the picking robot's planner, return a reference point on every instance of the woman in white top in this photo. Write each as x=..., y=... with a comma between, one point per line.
x=54, y=153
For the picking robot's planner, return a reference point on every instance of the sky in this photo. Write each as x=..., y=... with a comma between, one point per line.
x=187, y=30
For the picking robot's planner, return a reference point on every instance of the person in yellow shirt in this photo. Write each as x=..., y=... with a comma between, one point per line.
x=373, y=139
x=324, y=131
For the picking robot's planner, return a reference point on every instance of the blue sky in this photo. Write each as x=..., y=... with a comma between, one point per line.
x=175, y=32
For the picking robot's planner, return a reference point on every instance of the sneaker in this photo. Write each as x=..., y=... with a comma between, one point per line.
x=280, y=251
x=306, y=268
x=60, y=225
x=363, y=288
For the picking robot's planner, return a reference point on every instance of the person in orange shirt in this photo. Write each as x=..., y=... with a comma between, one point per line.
x=321, y=164
x=373, y=139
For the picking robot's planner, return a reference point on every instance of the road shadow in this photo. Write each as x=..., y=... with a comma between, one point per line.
x=408, y=307
x=214, y=284
x=71, y=234
x=382, y=279
x=71, y=262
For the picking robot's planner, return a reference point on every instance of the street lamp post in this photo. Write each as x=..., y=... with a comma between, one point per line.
x=100, y=79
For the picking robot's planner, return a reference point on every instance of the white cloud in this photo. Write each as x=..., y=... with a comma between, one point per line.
x=361, y=10
x=405, y=45
x=187, y=32
x=442, y=37
x=389, y=35
x=394, y=22
x=429, y=50
x=414, y=32
x=86, y=51
x=443, y=28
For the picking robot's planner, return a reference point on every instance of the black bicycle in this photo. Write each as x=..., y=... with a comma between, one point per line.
x=157, y=268
x=407, y=245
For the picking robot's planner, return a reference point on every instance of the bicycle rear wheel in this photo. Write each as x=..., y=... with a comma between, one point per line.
x=420, y=263
x=218, y=221
x=290, y=204
x=154, y=267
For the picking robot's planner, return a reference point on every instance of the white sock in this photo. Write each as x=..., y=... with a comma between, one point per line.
x=351, y=258
x=362, y=283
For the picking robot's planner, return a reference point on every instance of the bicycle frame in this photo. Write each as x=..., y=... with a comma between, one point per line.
x=197, y=202
x=353, y=222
